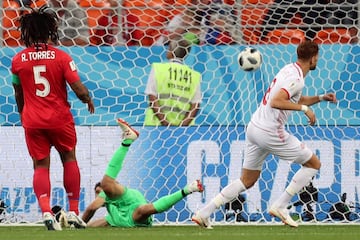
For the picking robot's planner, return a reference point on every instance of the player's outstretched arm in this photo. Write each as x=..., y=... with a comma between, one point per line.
x=306, y=101
x=101, y=222
x=83, y=94
x=92, y=208
x=310, y=100
x=330, y=97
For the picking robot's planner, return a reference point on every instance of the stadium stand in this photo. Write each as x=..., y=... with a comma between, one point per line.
x=141, y=22
x=285, y=36
x=103, y=20
x=252, y=14
x=95, y=9
x=335, y=35
x=12, y=10
x=148, y=17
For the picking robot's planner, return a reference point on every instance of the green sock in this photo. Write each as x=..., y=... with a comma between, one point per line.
x=168, y=201
x=117, y=160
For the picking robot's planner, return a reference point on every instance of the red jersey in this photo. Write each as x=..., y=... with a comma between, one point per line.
x=43, y=75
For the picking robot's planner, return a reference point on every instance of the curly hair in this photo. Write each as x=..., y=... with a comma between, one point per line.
x=39, y=26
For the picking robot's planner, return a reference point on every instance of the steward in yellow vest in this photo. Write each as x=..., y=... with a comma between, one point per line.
x=173, y=89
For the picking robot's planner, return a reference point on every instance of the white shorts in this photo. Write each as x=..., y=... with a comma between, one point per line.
x=260, y=143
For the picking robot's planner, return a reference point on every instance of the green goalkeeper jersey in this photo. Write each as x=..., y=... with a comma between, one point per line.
x=121, y=209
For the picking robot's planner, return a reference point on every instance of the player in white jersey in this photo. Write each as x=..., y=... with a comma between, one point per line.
x=266, y=135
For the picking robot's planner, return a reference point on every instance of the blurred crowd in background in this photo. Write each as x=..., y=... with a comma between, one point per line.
x=155, y=22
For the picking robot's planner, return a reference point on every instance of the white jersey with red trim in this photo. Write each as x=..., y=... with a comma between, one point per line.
x=290, y=78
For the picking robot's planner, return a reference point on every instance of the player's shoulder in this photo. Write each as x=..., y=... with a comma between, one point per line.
x=60, y=53
x=56, y=49
x=289, y=66
x=289, y=70
x=17, y=58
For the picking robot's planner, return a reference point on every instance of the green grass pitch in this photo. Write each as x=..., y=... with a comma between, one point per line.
x=238, y=232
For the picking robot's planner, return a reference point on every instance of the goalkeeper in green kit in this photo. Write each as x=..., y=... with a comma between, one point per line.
x=127, y=207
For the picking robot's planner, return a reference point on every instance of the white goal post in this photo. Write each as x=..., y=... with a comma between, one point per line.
x=165, y=159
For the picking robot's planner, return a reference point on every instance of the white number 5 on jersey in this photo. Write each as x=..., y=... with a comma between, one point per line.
x=41, y=80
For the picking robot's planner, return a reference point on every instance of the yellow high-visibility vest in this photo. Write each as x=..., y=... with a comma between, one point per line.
x=176, y=86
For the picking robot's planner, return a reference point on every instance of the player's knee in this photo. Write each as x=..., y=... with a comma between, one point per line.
x=313, y=162
x=318, y=165
x=105, y=187
x=143, y=212
x=248, y=182
x=249, y=177
x=107, y=184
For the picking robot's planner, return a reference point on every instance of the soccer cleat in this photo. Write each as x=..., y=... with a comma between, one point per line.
x=50, y=222
x=202, y=222
x=195, y=186
x=284, y=216
x=60, y=216
x=75, y=221
x=128, y=131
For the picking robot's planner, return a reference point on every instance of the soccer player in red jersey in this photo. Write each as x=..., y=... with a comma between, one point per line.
x=40, y=74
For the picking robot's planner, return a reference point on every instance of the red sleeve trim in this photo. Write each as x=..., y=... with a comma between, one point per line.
x=286, y=92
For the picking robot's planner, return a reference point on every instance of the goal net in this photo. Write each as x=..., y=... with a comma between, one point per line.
x=165, y=159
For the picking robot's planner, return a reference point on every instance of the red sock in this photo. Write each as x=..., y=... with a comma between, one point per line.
x=72, y=185
x=42, y=188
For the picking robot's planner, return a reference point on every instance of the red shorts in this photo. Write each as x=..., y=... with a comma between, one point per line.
x=40, y=141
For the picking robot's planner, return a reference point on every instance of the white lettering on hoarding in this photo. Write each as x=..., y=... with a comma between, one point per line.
x=199, y=153
x=350, y=172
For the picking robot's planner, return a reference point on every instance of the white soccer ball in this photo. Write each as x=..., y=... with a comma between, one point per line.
x=249, y=59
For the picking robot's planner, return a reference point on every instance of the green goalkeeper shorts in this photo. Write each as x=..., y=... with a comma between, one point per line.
x=120, y=210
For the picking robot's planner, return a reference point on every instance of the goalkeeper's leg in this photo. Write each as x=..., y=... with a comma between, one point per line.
x=108, y=183
x=166, y=202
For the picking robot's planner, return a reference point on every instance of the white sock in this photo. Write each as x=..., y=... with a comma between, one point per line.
x=229, y=193
x=300, y=180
